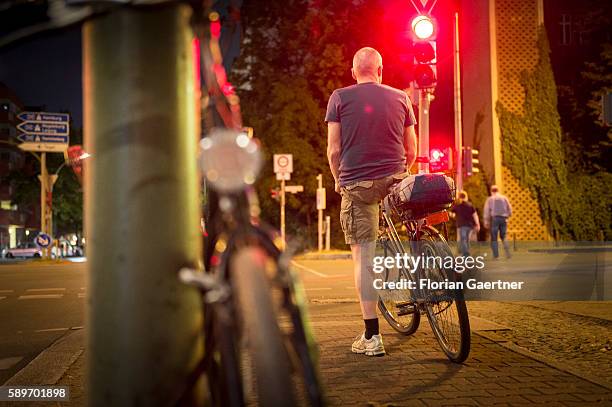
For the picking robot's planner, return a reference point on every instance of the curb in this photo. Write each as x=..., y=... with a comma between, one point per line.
x=49, y=366
x=324, y=256
x=504, y=343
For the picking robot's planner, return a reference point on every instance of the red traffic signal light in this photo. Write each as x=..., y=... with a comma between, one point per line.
x=423, y=27
x=424, y=51
x=274, y=194
x=440, y=160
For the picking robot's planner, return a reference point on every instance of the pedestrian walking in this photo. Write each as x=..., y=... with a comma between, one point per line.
x=371, y=142
x=497, y=210
x=467, y=221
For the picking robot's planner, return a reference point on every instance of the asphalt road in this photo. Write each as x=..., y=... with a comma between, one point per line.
x=38, y=304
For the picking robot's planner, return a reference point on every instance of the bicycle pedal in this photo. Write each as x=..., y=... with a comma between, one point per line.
x=406, y=310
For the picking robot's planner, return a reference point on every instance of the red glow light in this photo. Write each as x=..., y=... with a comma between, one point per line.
x=422, y=27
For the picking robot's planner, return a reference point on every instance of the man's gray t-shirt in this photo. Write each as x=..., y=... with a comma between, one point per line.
x=372, y=119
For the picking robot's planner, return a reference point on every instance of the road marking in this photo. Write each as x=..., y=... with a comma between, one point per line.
x=38, y=290
x=1, y=298
x=51, y=330
x=308, y=269
x=81, y=295
x=317, y=288
x=39, y=296
x=6, y=291
x=7, y=363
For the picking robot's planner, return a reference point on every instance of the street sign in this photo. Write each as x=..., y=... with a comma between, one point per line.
x=47, y=129
x=43, y=138
x=321, y=198
x=283, y=163
x=44, y=147
x=283, y=176
x=44, y=117
x=294, y=189
x=43, y=131
x=43, y=240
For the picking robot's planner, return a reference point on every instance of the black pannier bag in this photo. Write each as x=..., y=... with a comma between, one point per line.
x=417, y=196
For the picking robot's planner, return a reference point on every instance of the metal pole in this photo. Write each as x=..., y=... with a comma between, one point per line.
x=50, y=184
x=44, y=178
x=320, y=211
x=282, y=212
x=458, y=130
x=327, y=232
x=424, y=99
x=142, y=213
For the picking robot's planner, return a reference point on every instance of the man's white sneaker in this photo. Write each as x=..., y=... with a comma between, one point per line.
x=370, y=347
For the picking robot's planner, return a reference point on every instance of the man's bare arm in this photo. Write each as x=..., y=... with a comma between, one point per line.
x=333, y=151
x=410, y=145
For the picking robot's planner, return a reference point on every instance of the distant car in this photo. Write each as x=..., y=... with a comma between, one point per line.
x=23, y=250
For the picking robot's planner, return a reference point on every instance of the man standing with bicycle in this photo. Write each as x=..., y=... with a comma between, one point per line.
x=371, y=143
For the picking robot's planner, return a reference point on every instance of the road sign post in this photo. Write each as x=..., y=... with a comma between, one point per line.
x=43, y=177
x=320, y=208
x=283, y=167
x=327, y=232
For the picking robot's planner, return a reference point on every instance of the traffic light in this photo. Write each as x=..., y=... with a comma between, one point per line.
x=275, y=194
x=440, y=160
x=470, y=161
x=424, y=50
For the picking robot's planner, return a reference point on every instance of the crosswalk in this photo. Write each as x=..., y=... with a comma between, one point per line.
x=47, y=293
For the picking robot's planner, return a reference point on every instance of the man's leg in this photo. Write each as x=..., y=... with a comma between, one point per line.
x=494, y=232
x=464, y=243
x=503, y=227
x=363, y=256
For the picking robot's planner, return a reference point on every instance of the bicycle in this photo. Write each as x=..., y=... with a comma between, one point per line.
x=258, y=347
x=445, y=308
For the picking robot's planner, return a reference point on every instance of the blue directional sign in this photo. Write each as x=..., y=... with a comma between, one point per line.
x=43, y=240
x=59, y=129
x=44, y=117
x=42, y=138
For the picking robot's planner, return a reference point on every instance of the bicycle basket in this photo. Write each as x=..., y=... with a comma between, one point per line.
x=417, y=196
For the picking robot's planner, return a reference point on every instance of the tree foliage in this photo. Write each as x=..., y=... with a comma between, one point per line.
x=294, y=55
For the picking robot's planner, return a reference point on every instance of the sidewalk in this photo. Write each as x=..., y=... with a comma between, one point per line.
x=415, y=372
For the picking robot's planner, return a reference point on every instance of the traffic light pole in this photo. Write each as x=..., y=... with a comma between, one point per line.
x=424, y=102
x=141, y=207
x=457, y=96
x=320, y=220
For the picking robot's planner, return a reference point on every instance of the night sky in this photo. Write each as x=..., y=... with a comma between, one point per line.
x=46, y=71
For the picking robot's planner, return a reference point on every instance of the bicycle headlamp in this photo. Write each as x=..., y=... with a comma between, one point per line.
x=229, y=159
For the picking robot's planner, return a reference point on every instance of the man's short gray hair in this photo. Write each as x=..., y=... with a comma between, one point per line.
x=367, y=61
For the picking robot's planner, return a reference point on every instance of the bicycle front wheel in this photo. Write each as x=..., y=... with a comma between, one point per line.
x=265, y=346
x=445, y=307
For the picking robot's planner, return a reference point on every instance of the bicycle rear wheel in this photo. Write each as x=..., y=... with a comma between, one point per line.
x=445, y=308
x=396, y=306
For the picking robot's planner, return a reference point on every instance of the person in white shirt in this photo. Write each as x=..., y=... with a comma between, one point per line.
x=497, y=210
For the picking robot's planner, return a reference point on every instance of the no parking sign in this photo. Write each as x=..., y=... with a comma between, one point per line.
x=283, y=166
x=43, y=240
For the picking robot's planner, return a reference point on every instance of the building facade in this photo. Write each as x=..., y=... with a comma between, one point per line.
x=16, y=224
x=498, y=42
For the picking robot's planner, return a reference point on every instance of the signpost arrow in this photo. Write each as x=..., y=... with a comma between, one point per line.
x=60, y=129
x=44, y=117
